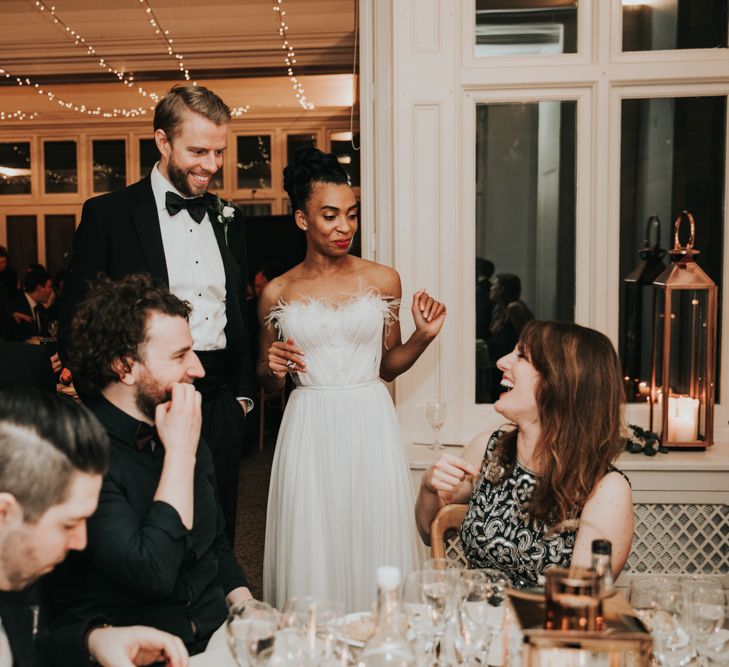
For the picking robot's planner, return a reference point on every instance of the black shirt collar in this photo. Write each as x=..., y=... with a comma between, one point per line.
x=116, y=421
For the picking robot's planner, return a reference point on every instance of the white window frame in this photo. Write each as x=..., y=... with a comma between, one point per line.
x=417, y=53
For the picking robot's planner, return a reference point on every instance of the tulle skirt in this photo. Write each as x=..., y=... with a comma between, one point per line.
x=340, y=502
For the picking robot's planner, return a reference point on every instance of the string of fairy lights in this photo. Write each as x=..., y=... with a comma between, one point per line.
x=290, y=57
x=165, y=34
x=127, y=78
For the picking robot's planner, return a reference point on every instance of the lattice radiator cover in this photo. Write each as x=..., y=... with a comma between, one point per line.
x=680, y=539
x=667, y=539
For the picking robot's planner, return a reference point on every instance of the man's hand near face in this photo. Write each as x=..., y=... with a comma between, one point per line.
x=178, y=426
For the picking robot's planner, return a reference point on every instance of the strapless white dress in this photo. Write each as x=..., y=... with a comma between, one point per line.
x=340, y=502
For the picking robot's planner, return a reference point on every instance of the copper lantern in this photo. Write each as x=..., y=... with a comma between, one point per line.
x=684, y=348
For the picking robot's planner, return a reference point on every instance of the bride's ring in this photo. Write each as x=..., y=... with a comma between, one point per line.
x=290, y=364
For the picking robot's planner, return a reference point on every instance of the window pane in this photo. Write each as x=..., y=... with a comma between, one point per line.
x=672, y=158
x=254, y=210
x=254, y=162
x=296, y=141
x=22, y=242
x=523, y=28
x=674, y=24
x=110, y=164
x=343, y=147
x=148, y=156
x=15, y=168
x=61, y=174
x=216, y=182
x=59, y=239
x=525, y=226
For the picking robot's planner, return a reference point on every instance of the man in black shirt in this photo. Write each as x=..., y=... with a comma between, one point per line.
x=52, y=456
x=157, y=552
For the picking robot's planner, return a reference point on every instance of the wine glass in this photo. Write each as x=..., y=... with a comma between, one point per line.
x=317, y=621
x=251, y=629
x=421, y=630
x=435, y=413
x=482, y=609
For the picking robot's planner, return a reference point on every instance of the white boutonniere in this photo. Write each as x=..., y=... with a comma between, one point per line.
x=223, y=214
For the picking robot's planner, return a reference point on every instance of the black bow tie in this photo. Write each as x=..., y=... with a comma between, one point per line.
x=144, y=435
x=197, y=207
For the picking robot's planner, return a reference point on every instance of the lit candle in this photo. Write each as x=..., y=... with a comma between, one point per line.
x=683, y=419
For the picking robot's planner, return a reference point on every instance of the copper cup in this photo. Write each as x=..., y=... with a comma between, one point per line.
x=573, y=600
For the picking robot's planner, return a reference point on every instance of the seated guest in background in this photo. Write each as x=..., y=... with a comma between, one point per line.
x=52, y=456
x=26, y=365
x=8, y=276
x=157, y=552
x=29, y=306
x=540, y=492
x=508, y=317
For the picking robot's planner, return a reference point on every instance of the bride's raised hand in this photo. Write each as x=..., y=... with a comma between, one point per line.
x=285, y=357
x=428, y=314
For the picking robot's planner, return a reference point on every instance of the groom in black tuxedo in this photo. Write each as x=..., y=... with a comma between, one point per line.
x=168, y=225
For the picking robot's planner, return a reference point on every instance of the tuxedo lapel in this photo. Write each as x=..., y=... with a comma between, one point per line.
x=17, y=622
x=232, y=270
x=146, y=222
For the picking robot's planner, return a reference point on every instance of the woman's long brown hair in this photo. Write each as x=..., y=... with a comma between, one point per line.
x=579, y=397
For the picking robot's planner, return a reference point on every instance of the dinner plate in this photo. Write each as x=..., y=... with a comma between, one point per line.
x=349, y=619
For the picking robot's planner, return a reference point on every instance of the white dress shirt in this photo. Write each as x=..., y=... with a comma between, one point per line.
x=6, y=657
x=194, y=267
x=195, y=270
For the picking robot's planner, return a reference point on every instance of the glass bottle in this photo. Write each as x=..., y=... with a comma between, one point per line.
x=388, y=645
x=601, y=555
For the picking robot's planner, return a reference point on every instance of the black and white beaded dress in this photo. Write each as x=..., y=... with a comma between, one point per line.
x=497, y=532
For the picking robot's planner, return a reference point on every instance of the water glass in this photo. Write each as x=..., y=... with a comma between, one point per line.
x=251, y=631
x=317, y=621
x=421, y=628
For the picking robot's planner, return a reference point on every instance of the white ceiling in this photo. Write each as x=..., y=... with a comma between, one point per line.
x=220, y=40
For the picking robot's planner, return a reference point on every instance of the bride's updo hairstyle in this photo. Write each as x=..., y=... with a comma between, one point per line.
x=309, y=166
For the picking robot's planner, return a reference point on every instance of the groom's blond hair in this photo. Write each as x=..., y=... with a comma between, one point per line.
x=171, y=109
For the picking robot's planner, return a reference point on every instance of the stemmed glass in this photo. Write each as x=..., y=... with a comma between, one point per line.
x=701, y=610
x=421, y=628
x=481, y=612
x=317, y=622
x=435, y=413
x=656, y=599
x=251, y=630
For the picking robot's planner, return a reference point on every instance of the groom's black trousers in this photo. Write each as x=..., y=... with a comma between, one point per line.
x=223, y=429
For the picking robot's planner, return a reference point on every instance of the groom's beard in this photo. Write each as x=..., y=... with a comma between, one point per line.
x=179, y=178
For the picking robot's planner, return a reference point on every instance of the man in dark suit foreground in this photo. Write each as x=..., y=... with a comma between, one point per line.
x=169, y=226
x=157, y=551
x=52, y=455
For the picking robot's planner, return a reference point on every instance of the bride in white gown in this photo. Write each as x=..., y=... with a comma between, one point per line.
x=340, y=502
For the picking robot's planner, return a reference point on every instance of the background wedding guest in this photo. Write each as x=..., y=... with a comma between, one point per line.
x=29, y=307
x=541, y=491
x=169, y=226
x=52, y=456
x=157, y=551
x=508, y=317
x=340, y=502
x=8, y=275
x=26, y=365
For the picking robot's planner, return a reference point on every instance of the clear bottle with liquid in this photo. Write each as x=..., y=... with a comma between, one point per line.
x=601, y=562
x=388, y=646
x=602, y=565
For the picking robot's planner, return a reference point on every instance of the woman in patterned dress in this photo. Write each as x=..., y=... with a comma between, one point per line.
x=539, y=492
